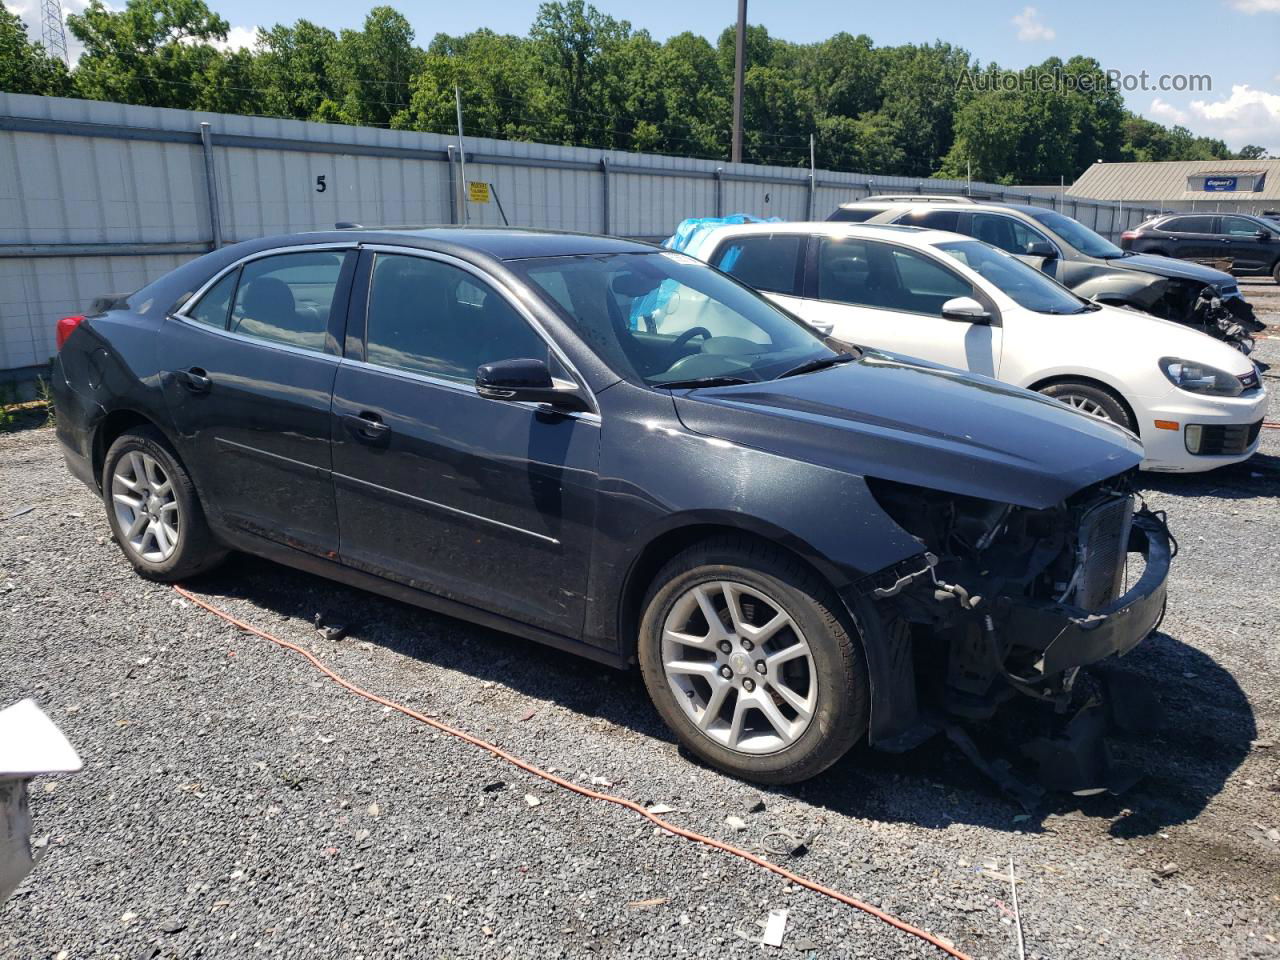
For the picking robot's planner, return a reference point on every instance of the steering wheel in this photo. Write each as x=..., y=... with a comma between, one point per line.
x=683, y=340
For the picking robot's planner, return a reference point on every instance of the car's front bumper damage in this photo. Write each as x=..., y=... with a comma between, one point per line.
x=1009, y=603
x=1069, y=638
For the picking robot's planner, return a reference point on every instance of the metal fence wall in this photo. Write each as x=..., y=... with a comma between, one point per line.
x=99, y=198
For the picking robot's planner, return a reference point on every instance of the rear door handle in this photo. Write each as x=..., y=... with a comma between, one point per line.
x=195, y=379
x=366, y=425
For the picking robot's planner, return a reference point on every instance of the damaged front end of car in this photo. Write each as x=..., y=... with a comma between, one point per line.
x=1200, y=306
x=1010, y=600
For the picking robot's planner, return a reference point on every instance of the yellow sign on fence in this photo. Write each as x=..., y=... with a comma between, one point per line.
x=477, y=191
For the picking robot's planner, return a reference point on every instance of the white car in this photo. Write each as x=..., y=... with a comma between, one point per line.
x=1195, y=402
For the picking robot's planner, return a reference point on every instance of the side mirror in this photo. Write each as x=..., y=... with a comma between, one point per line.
x=1041, y=249
x=1264, y=235
x=966, y=310
x=529, y=381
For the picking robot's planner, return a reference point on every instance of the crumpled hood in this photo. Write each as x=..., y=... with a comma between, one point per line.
x=1169, y=267
x=898, y=418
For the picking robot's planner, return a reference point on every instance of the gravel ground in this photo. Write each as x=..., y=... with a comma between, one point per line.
x=235, y=797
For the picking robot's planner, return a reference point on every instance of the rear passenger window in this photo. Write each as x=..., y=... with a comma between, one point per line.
x=1189, y=225
x=286, y=298
x=766, y=261
x=434, y=318
x=845, y=272
x=933, y=219
x=215, y=305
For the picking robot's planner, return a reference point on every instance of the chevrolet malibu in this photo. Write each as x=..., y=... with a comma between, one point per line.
x=622, y=452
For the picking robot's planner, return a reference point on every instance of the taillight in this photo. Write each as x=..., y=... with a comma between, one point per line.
x=65, y=326
x=1129, y=235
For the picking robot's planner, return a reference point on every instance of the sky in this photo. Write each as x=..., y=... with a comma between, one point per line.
x=1234, y=43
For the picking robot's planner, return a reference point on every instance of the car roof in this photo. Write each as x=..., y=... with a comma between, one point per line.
x=969, y=206
x=914, y=236
x=500, y=243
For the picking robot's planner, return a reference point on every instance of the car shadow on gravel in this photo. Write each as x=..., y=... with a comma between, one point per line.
x=1259, y=476
x=1184, y=751
x=1203, y=736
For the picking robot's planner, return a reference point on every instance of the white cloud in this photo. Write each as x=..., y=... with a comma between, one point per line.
x=238, y=38
x=1256, y=6
x=1031, y=29
x=1163, y=110
x=1248, y=115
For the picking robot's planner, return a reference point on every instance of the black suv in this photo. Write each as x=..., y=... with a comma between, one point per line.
x=1251, y=244
x=1082, y=260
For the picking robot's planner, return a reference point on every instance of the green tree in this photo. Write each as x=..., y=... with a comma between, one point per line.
x=574, y=44
x=26, y=67
x=294, y=69
x=153, y=52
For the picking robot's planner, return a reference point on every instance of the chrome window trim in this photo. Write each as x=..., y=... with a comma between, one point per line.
x=198, y=295
x=460, y=386
x=498, y=287
x=256, y=341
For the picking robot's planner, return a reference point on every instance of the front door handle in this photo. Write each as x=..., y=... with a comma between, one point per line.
x=366, y=425
x=195, y=379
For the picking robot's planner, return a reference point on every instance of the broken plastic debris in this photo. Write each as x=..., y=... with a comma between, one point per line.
x=736, y=823
x=660, y=808
x=775, y=929
x=601, y=782
x=531, y=800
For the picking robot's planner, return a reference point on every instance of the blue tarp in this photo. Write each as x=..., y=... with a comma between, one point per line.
x=691, y=228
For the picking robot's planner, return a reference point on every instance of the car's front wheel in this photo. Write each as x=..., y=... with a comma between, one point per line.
x=1094, y=400
x=153, y=509
x=753, y=661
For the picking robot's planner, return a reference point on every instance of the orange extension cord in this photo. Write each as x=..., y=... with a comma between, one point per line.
x=583, y=791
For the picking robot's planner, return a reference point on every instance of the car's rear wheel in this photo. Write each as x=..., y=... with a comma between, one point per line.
x=753, y=661
x=1275, y=272
x=152, y=507
x=1091, y=399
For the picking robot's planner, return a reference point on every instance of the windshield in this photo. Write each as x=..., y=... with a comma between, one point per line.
x=664, y=318
x=1023, y=284
x=1078, y=235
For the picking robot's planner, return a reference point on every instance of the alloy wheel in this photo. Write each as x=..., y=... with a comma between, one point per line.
x=1085, y=405
x=739, y=666
x=146, y=509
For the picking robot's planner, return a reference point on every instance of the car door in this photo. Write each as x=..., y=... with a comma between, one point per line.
x=890, y=296
x=1194, y=237
x=248, y=366
x=1242, y=242
x=485, y=502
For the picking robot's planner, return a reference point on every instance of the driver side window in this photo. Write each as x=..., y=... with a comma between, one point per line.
x=431, y=317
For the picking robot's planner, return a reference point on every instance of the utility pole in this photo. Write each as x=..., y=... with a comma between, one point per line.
x=52, y=31
x=462, y=158
x=739, y=68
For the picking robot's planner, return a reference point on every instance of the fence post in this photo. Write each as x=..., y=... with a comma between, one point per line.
x=453, y=188
x=604, y=173
x=719, y=191
x=211, y=183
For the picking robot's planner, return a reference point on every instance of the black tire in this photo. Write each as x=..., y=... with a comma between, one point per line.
x=1075, y=393
x=195, y=550
x=841, y=701
x=1275, y=272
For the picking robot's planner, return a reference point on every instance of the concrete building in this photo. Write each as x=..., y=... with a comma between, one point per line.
x=1231, y=186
